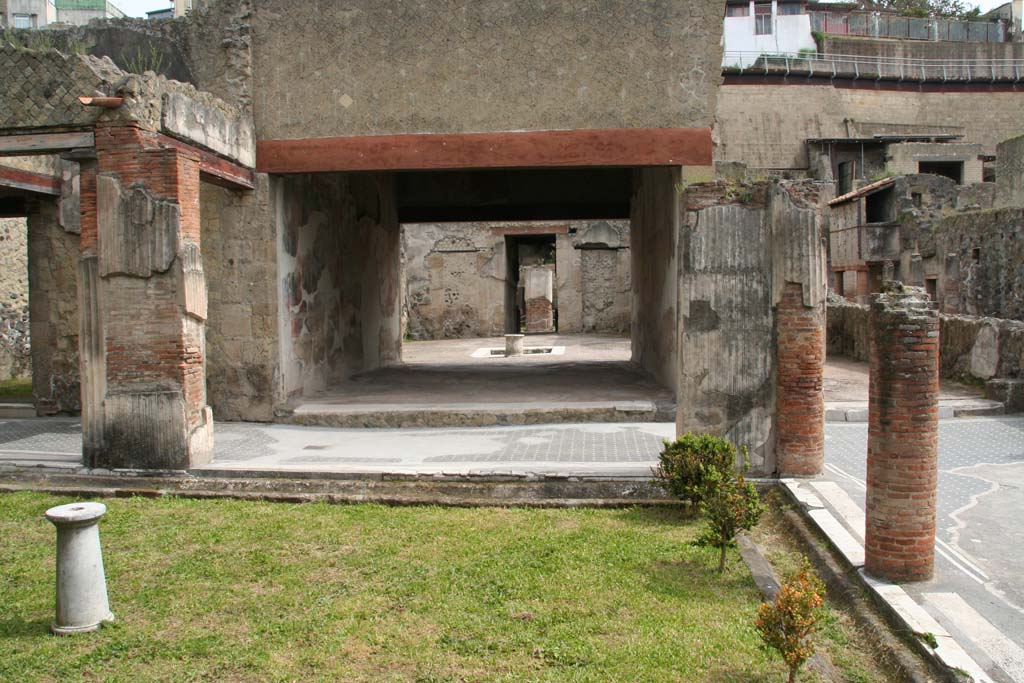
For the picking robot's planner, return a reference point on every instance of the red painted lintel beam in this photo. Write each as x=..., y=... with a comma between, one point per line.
x=530, y=149
x=40, y=183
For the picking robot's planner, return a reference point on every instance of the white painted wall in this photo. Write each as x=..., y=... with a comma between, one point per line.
x=790, y=33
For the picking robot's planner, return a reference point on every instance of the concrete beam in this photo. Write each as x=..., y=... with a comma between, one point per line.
x=217, y=130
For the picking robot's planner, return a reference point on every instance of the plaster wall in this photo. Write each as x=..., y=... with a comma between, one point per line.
x=654, y=228
x=766, y=126
x=726, y=321
x=455, y=66
x=239, y=259
x=339, y=267
x=53, y=261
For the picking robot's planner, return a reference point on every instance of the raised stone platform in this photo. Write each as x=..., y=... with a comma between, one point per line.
x=450, y=383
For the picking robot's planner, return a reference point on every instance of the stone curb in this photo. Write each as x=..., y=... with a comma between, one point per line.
x=909, y=619
x=463, y=492
x=980, y=408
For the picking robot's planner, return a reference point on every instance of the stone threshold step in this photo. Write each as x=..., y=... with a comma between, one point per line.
x=474, y=415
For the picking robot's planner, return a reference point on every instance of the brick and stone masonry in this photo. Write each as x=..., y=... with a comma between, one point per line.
x=801, y=402
x=902, y=471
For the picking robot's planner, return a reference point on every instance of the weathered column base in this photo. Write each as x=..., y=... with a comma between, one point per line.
x=150, y=431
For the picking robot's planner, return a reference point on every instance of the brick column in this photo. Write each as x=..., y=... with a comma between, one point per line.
x=801, y=401
x=140, y=210
x=902, y=435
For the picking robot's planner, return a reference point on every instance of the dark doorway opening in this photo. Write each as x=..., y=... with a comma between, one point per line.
x=954, y=170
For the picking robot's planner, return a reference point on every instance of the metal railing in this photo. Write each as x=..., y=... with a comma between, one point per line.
x=877, y=68
x=878, y=25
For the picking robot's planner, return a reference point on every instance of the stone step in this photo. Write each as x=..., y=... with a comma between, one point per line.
x=17, y=411
x=475, y=415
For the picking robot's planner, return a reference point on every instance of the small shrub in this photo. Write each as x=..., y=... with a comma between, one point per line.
x=788, y=624
x=684, y=463
x=730, y=504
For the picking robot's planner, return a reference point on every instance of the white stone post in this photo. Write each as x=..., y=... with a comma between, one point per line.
x=514, y=344
x=81, y=585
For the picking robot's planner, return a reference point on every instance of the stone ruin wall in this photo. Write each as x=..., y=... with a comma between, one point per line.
x=456, y=278
x=972, y=349
x=15, y=350
x=982, y=253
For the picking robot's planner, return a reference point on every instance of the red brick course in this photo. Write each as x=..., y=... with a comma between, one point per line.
x=801, y=401
x=902, y=472
x=539, y=315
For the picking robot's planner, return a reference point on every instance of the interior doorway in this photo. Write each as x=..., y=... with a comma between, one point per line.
x=531, y=284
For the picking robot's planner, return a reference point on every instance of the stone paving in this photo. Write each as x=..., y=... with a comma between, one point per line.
x=622, y=448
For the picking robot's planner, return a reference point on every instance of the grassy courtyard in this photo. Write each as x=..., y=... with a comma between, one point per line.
x=242, y=591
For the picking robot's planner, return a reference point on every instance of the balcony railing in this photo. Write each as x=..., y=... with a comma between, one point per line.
x=873, y=68
x=872, y=25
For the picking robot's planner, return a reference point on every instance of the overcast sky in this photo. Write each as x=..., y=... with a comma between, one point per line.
x=138, y=8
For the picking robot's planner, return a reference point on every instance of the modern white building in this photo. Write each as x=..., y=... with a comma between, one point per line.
x=754, y=28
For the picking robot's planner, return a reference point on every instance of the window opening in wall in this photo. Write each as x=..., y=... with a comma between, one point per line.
x=988, y=173
x=954, y=170
x=24, y=21
x=976, y=255
x=763, y=19
x=737, y=11
x=917, y=199
x=790, y=8
x=878, y=206
x=931, y=286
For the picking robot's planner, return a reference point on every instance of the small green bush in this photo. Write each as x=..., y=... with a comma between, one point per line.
x=729, y=504
x=684, y=463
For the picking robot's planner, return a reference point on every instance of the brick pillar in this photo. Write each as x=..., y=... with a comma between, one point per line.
x=801, y=401
x=140, y=216
x=902, y=435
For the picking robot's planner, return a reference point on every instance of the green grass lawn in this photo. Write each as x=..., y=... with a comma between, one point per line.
x=242, y=591
x=19, y=390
